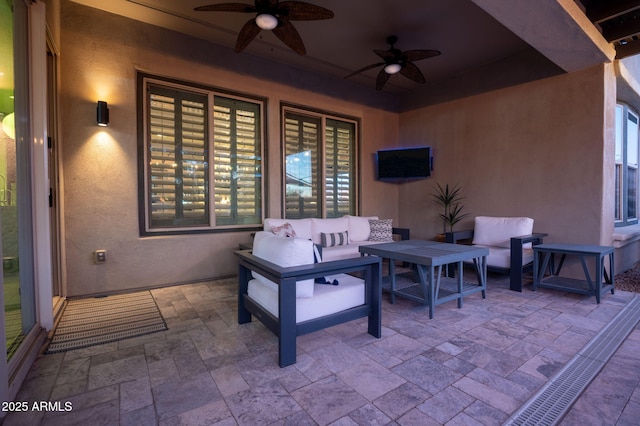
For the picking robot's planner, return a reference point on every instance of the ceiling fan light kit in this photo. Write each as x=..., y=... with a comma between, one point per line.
x=392, y=68
x=266, y=21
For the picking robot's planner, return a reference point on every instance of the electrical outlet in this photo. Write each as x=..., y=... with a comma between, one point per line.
x=100, y=256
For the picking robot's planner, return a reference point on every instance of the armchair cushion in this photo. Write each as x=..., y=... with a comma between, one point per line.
x=501, y=257
x=284, y=252
x=326, y=300
x=497, y=231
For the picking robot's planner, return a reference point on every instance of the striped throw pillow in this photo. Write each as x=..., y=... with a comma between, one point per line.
x=334, y=239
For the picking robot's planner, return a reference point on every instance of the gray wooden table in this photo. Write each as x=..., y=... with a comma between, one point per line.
x=543, y=261
x=429, y=286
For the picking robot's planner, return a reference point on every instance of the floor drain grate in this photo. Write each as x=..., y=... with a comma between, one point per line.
x=555, y=398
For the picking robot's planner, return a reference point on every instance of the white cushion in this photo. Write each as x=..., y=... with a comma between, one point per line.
x=501, y=257
x=328, y=226
x=327, y=299
x=340, y=252
x=284, y=252
x=359, y=228
x=302, y=227
x=497, y=231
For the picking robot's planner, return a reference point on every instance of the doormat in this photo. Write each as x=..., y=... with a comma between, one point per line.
x=94, y=321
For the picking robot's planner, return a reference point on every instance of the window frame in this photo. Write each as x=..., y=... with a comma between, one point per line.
x=322, y=116
x=623, y=166
x=144, y=206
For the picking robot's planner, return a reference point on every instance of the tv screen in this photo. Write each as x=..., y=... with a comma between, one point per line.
x=404, y=163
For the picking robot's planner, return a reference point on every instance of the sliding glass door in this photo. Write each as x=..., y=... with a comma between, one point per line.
x=15, y=179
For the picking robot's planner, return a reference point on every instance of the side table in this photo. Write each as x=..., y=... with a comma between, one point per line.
x=544, y=259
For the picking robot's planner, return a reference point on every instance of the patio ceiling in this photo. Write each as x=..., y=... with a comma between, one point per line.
x=619, y=23
x=485, y=44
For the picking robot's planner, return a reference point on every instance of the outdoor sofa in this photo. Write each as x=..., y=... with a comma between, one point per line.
x=342, y=235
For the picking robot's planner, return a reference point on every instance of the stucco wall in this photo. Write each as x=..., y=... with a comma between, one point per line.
x=100, y=54
x=535, y=150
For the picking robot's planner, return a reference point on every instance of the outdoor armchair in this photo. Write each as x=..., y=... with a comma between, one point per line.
x=509, y=240
x=282, y=291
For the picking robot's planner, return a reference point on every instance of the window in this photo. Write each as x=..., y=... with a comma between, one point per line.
x=319, y=164
x=202, y=159
x=626, y=169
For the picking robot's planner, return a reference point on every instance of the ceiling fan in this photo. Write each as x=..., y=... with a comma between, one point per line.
x=394, y=61
x=272, y=15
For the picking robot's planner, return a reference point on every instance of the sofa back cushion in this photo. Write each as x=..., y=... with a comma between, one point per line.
x=359, y=229
x=284, y=252
x=497, y=231
x=302, y=227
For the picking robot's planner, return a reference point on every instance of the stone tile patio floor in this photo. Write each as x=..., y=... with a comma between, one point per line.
x=469, y=366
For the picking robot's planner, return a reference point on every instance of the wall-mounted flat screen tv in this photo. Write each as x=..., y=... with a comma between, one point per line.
x=405, y=163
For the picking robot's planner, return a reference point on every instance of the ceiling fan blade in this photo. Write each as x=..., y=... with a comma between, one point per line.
x=227, y=7
x=382, y=79
x=416, y=55
x=412, y=72
x=384, y=54
x=248, y=32
x=302, y=11
x=367, y=68
x=288, y=34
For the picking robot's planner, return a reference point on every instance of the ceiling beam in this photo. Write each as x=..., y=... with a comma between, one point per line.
x=618, y=31
x=558, y=29
x=607, y=9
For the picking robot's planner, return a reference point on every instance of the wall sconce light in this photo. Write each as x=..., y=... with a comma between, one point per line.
x=103, y=113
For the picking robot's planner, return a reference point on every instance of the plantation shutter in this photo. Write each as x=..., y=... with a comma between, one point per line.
x=178, y=167
x=339, y=168
x=302, y=184
x=237, y=162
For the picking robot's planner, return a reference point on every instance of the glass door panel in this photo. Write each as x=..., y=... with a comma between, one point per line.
x=15, y=180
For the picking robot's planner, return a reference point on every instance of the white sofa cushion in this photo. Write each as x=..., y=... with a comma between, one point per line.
x=497, y=231
x=359, y=229
x=327, y=299
x=302, y=227
x=284, y=252
x=328, y=226
x=501, y=257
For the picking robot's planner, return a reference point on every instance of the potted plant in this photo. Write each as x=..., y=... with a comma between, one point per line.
x=449, y=198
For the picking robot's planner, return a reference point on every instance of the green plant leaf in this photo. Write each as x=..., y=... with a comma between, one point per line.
x=449, y=198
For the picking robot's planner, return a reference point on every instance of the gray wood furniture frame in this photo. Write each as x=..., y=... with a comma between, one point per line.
x=430, y=287
x=597, y=285
x=284, y=326
x=516, y=268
